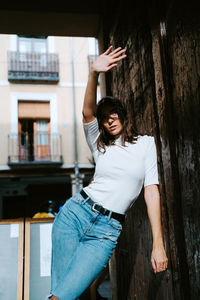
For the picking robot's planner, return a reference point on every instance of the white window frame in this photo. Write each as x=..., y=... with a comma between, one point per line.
x=48, y=97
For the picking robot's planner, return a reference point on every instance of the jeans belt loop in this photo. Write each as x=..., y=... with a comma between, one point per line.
x=86, y=199
x=110, y=214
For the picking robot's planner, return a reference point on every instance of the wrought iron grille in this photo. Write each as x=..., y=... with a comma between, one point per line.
x=91, y=59
x=33, y=66
x=34, y=148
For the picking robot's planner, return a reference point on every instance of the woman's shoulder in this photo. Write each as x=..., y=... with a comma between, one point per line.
x=94, y=122
x=146, y=140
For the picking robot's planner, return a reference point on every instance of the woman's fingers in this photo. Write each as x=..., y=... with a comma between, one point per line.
x=117, y=53
x=113, y=63
x=119, y=58
x=108, y=60
x=116, y=60
x=111, y=67
x=159, y=259
x=162, y=266
x=153, y=265
x=108, y=50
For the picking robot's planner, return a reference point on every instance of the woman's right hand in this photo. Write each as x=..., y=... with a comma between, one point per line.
x=108, y=60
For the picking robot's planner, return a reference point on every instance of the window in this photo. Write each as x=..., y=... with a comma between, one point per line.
x=34, y=130
x=93, y=52
x=32, y=45
x=42, y=132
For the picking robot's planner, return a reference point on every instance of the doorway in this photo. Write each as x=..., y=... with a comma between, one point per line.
x=26, y=140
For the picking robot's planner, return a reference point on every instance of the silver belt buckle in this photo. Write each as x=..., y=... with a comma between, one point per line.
x=93, y=207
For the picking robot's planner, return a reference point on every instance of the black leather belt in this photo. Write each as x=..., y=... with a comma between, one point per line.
x=98, y=208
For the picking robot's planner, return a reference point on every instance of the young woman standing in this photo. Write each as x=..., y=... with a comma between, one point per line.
x=87, y=228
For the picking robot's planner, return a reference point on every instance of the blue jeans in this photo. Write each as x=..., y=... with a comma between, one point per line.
x=82, y=244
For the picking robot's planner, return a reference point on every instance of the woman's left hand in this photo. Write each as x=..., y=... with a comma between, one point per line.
x=159, y=259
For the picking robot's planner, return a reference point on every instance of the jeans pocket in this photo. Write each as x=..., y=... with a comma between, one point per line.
x=115, y=224
x=77, y=198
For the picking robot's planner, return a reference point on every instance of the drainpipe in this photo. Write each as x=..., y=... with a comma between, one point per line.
x=76, y=177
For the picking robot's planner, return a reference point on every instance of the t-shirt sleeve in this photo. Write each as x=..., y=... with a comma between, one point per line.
x=151, y=167
x=91, y=130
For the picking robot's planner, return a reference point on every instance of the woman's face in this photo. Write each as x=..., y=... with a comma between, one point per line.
x=112, y=124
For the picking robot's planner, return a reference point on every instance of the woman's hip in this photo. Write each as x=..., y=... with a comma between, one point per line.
x=76, y=215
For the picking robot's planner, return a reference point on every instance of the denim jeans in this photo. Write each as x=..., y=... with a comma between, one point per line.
x=82, y=244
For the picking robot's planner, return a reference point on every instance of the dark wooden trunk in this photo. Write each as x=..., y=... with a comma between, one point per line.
x=160, y=83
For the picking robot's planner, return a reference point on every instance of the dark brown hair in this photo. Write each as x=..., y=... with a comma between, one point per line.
x=109, y=105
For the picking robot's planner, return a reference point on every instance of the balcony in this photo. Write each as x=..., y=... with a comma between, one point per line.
x=34, y=149
x=91, y=59
x=33, y=67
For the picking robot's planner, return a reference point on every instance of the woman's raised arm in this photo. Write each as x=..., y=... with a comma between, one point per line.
x=103, y=63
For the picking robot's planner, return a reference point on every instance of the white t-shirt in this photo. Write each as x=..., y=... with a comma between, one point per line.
x=121, y=171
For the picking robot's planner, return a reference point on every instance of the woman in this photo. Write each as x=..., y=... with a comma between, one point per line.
x=86, y=230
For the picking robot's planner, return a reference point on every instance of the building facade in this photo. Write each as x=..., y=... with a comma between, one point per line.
x=44, y=156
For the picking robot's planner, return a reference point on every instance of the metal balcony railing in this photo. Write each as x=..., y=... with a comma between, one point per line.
x=33, y=66
x=91, y=59
x=37, y=148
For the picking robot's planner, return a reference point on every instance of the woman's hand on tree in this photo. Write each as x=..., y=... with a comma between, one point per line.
x=159, y=259
x=108, y=60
